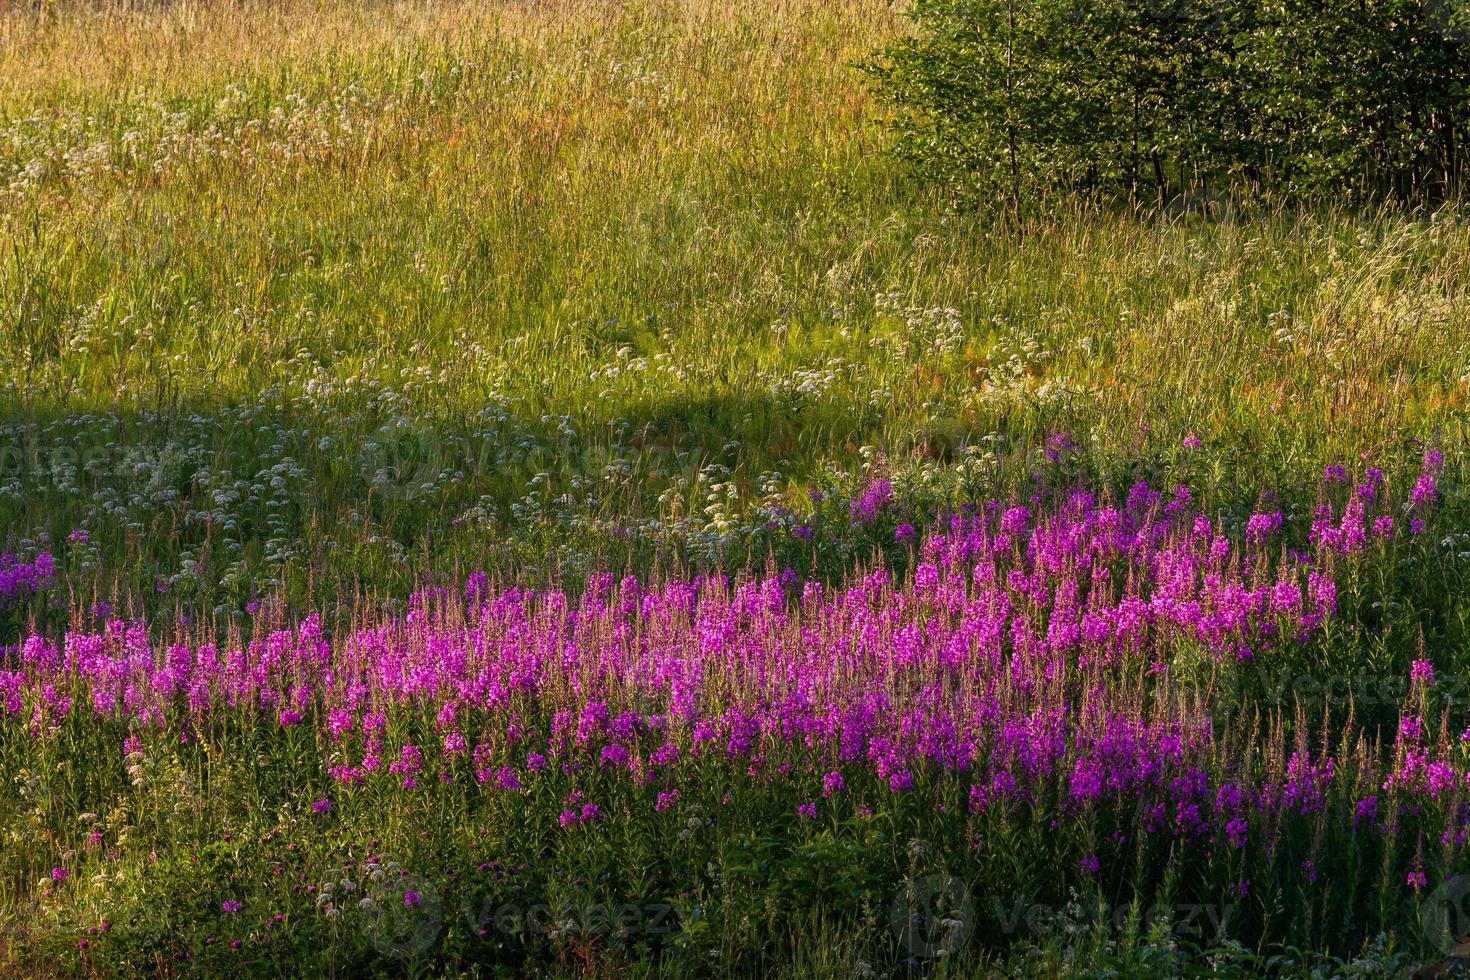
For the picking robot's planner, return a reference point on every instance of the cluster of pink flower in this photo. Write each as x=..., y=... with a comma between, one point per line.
x=21, y=579
x=1011, y=658
x=1366, y=510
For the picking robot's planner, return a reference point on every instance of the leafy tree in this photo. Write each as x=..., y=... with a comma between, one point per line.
x=1147, y=98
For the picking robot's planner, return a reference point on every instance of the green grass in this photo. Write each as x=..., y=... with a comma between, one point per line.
x=666, y=234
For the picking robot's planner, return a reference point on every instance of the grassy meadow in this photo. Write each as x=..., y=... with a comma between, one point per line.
x=310, y=313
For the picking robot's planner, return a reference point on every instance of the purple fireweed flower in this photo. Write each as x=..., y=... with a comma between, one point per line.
x=476, y=585
x=1260, y=527
x=1371, y=482
x=482, y=761
x=865, y=506
x=412, y=898
x=231, y=905
x=1013, y=521
x=321, y=806
x=1423, y=492
x=989, y=664
x=807, y=810
x=20, y=580
x=339, y=722
x=410, y=760
x=1057, y=445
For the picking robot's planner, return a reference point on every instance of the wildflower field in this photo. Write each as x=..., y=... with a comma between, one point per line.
x=538, y=489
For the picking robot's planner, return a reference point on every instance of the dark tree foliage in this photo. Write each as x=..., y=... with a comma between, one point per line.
x=1151, y=98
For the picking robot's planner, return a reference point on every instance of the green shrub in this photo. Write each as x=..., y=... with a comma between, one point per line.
x=1153, y=98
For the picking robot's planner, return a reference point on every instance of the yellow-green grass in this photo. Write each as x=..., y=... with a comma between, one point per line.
x=674, y=215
